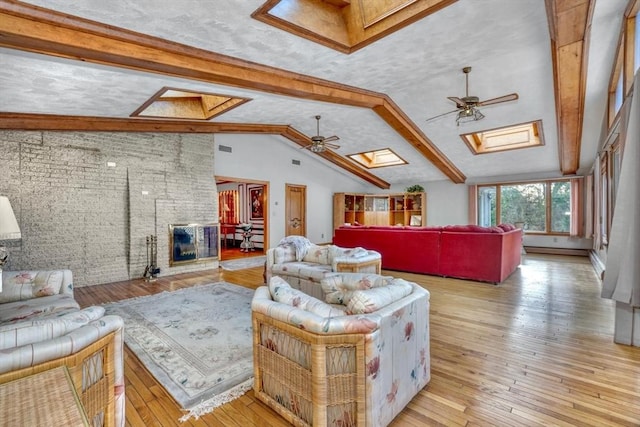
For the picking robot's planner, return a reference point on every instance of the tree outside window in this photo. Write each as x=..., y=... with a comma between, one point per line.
x=544, y=207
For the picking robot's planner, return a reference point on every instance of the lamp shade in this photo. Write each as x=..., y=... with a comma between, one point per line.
x=9, y=229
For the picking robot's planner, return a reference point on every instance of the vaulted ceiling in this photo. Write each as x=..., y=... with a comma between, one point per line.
x=89, y=65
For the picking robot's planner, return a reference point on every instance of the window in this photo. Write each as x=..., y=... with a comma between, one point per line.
x=506, y=138
x=186, y=104
x=560, y=206
x=604, y=200
x=627, y=60
x=619, y=95
x=378, y=158
x=636, y=44
x=487, y=206
x=524, y=202
x=544, y=207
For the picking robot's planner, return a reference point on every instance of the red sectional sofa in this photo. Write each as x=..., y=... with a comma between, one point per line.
x=486, y=254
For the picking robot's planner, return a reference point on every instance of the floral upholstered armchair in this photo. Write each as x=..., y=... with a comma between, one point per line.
x=355, y=358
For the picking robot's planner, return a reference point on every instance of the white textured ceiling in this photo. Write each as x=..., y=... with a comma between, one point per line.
x=505, y=41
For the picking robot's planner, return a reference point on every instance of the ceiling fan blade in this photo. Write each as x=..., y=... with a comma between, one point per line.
x=440, y=115
x=459, y=102
x=330, y=138
x=505, y=98
x=330, y=145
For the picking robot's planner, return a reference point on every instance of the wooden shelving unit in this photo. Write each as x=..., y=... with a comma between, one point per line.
x=379, y=209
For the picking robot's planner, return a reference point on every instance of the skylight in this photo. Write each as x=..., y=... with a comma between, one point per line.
x=183, y=104
x=345, y=25
x=378, y=158
x=524, y=135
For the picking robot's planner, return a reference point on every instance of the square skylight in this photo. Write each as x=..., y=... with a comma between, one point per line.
x=514, y=137
x=171, y=103
x=378, y=158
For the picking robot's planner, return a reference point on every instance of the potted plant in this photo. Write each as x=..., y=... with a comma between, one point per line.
x=416, y=188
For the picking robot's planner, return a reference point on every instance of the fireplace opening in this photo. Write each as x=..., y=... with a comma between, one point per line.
x=190, y=243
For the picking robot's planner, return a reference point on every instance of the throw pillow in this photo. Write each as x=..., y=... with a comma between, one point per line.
x=47, y=283
x=507, y=227
x=317, y=254
x=24, y=285
x=282, y=254
x=282, y=292
x=371, y=300
x=339, y=288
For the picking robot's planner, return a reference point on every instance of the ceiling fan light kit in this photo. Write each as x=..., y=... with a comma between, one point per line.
x=468, y=115
x=319, y=143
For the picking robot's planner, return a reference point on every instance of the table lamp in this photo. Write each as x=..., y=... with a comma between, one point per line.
x=9, y=230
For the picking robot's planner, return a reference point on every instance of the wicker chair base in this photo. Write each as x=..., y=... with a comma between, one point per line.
x=309, y=379
x=92, y=373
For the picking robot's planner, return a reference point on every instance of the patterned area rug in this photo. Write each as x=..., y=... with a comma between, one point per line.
x=197, y=342
x=242, y=263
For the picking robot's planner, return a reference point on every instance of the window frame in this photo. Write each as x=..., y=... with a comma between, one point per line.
x=548, y=202
x=624, y=67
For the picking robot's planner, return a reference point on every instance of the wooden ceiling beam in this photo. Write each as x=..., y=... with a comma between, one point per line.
x=569, y=28
x=402, y=124
x=21, y=121
x=31, y=28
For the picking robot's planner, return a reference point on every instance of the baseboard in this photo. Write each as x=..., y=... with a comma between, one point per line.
x=556, y=251
x=597, y=263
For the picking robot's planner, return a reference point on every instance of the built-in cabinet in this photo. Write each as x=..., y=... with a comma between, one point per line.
x=379, y=209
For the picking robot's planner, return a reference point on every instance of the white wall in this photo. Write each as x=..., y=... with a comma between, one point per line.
x=268, y=158
x=447, y=203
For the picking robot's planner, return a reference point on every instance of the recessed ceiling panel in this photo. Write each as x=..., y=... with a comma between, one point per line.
x=171, y=103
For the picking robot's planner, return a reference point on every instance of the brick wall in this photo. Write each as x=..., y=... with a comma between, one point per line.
x=77, y=212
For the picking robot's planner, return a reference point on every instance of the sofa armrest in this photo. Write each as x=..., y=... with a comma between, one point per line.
x=32, y=331
x=349, y=324
x=34, y=353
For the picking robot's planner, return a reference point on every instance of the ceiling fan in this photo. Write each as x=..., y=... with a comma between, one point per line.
x=320, y=143
x=467, y=107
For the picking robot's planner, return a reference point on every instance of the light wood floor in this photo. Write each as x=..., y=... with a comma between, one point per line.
x=534, y=350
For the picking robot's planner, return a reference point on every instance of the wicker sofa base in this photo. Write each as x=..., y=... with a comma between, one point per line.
x=92, y=373
x=309, y=379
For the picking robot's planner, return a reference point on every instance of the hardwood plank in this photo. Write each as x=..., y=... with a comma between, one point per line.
x=534, y=350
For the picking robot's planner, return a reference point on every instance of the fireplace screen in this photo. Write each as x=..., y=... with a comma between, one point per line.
x=193, y=243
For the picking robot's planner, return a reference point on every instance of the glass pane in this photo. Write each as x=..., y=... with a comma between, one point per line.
x=560, y=207
x=619, y=95
x=487, y=206
x=524, y=203
x=636, y=55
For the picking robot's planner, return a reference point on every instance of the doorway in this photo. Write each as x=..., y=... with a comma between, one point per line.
x=243, y=216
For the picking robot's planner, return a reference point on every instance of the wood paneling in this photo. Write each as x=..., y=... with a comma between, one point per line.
x=569, y=26
x=534, y=350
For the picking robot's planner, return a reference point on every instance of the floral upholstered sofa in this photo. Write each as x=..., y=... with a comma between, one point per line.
x=42, y=327
x=355, y=358
x=304, y=265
